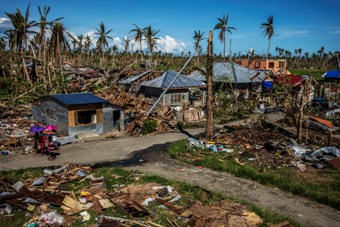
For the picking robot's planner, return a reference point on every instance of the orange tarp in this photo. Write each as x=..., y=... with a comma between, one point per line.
x=323, y=121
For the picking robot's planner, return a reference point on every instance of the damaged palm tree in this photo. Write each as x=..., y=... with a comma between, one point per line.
x=297, y=107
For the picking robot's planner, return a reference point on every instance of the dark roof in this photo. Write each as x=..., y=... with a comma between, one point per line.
x=181, y=81
x=77, y=99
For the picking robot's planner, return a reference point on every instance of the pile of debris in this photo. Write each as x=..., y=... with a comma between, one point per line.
x=41, y=196
x=136, y=107
x=15, y=136
x=259, y=143
x=264, y=145
x=82, y=79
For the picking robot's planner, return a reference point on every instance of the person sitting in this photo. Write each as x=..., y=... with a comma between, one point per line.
x=52, y=148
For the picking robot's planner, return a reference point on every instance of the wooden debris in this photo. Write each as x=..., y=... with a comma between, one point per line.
x=223, y=213
x=138, y=106
x=71, y=205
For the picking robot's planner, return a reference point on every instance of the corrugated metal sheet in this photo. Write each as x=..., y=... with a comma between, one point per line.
x=181, y=82
x=133, y=78
x=77, y=99
x=230, y=72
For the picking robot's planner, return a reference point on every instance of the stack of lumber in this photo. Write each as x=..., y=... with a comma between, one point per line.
x=138, y=106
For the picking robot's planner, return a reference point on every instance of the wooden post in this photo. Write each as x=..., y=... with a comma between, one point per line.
x=208, y=130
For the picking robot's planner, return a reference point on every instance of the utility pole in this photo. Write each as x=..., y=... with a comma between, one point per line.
x=166, y=89
x=210, y=61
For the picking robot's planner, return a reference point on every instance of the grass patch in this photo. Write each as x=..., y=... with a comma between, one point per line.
x=316, y=73
x=118, y=176
x=322, y=186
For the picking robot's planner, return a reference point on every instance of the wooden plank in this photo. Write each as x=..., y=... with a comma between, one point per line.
x=71, y=118
x=99, y=116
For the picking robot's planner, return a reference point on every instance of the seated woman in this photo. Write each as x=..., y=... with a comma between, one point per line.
x=52, y=148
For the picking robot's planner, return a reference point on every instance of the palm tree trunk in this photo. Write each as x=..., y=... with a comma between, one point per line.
x=208, y=130
x=224, y=49
x=268, y=48
x=24, y=66
x=140, y=50
x=230, y=52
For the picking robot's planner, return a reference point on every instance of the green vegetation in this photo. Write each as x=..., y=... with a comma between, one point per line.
x=322, y=186
x=150, y=126
x=316, y=73
x=118, y=176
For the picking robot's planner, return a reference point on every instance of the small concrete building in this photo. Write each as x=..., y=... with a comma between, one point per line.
x=78, y=113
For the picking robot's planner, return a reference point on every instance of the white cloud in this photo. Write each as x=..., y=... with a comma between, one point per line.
x=291, y=33
x=5, y=24
x=3, y=19
x=169, y=44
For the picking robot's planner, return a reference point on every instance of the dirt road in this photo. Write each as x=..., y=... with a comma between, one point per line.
x=303, y=210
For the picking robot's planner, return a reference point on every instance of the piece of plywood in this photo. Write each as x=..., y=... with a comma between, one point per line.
x=71, y=118
x=99, y=113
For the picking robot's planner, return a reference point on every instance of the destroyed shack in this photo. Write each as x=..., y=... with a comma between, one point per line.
x=78, y=113
x=133, y=83
x=180, y=93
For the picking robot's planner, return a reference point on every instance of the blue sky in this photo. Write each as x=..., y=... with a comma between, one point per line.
x=306, y=24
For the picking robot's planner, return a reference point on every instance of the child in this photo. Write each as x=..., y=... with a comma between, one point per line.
x=52, y=148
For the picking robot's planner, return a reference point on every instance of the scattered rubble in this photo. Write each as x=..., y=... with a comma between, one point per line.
x=261, y=144
x=41, y=197
x=15, y=137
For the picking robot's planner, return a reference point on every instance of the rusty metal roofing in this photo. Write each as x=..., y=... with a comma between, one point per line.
x=181, y=82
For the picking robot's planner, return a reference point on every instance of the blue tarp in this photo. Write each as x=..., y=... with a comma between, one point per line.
x=267, y=85
x=332, y=75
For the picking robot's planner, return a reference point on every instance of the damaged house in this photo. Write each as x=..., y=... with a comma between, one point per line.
x=78, y=113
x=231, y=73
x=133, y=83
x=179, y=93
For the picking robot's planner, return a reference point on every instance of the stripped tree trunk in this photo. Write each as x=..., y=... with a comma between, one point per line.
x=208, y=130
x=24, y=66
x=230, y=51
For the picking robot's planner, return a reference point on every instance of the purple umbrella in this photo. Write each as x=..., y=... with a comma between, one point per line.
x=37, y=128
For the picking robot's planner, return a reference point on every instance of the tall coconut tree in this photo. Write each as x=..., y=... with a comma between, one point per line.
x=102, y=39
x=87, y=43
x=222, y=25
x=80, y=43
x=268, y=30
x=151, y=39
x=58, y=42
x=21, y=29
x=138, y=37
x=10, y=40
x=126, y=43
x=198, y=37
x=43, y=26
x=230, y=48
x=87, y=46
